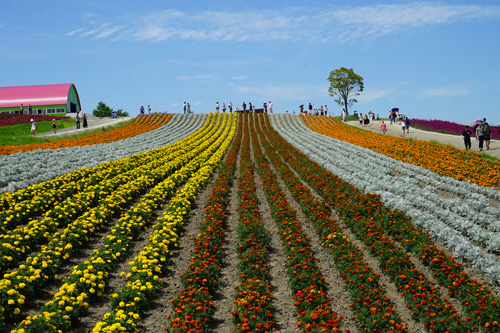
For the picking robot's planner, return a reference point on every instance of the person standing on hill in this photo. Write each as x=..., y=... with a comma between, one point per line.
x=480, y=136
x=265, y=107
x=244, y=107
x=270, y=107
x=487, y=134
x=230, y=107
x=326, y=110
x=466, y=136
x=85, y=125
x=383, y=127
x=184, y=107
x=33, y=127
x=217, y=107
x=224, y=107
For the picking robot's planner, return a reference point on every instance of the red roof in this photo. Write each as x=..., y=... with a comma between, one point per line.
x=47, y=94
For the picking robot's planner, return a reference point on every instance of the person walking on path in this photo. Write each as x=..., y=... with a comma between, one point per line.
x=77, y=121
x=407, y=125
x=230, y=107
x=403, y=125
x=480, y=136
x=466, y=136
x=85, y=125
x=54, y=125
x=383, y=127
x=487, y=135
x=224, y=107
x=33, y=127
x=360, y=118
x=217, y=107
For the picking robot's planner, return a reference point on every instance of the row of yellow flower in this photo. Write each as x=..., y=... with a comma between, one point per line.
x=142, y=125
x=90, y=278
x=42, y=267
x=144, y=277
x=193, y=305
x=17, y=207
x=444, y=160
x=17, y=243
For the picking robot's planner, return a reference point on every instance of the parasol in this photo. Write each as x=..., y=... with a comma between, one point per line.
x=395, y=109
x=477, y=121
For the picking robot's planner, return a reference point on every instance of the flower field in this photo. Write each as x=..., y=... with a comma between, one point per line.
x=143, y=124
x=247, y=223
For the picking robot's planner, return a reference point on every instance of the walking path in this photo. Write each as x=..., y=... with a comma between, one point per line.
x=446, y=139
x=93, y=123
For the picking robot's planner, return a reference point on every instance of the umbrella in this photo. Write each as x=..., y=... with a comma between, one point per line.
x=395, y=109
x=477, y=121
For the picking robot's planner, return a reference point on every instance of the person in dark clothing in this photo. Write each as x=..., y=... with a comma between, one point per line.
x=466, y=136
x=244, y=107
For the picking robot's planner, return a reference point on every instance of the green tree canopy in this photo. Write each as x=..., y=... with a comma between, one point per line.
x=103, y=111
x=345, y=85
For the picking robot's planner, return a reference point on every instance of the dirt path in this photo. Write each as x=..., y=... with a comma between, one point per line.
x=93, y=123
x=416, y=134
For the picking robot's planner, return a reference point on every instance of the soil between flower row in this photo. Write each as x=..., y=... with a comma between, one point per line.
x=154, y=319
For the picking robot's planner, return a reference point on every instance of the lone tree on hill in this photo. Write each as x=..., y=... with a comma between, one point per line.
x=345, y=84
x=104, y=111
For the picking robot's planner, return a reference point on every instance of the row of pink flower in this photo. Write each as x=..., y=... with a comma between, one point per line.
x=7, y=119
x=448, y=127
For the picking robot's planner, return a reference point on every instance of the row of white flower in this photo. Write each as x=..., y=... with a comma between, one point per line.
x=457, y=223
x=21, y=170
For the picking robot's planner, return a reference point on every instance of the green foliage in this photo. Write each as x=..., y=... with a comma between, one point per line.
x=345, y=85
x=104, y=111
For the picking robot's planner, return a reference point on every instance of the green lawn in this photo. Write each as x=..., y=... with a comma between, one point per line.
x=21, y=134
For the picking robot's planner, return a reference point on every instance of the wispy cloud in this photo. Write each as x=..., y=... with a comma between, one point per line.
x=446, y=91
x=240, y=77
x=339, y=25
x=207, y=78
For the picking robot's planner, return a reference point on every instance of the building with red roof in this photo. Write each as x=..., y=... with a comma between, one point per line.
x=54, y=99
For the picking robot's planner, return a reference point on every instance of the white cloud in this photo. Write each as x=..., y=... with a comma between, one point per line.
x=240, y=77
x=446, y=91
x=340, y=25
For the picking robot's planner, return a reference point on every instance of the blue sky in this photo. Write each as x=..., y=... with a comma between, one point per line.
x=433, y=60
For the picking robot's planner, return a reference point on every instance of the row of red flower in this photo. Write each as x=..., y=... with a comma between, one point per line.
x=373, y=221
x=253, y=300
x=194, y=306
x=374, y=309
x=305, y=278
